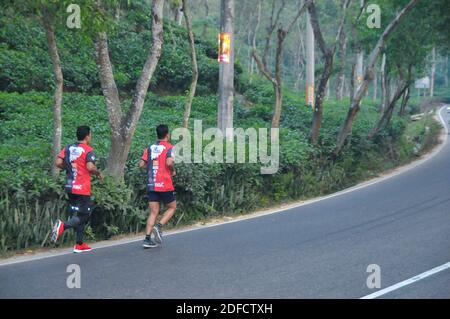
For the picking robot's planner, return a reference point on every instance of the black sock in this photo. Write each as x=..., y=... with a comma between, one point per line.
x=160, y=225
x=147, y=237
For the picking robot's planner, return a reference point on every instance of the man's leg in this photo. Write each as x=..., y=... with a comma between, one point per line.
x=79, y=229
x=171, y=205
x=154, y=211
x=80, y=214
x=168, y=214
x=60, y=226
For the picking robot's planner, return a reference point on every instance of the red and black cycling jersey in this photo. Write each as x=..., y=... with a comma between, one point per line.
x=76, y=156
x=158, y=173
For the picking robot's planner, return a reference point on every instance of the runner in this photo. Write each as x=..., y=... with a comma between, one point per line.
x=158, y=160
x=78, y=160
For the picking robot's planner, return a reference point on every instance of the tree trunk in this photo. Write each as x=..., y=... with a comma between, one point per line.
x=262, y=66
x=368, y=77
x=384, y=93
x=352, y=83
x=433, y=71
x=446, y=72
x=278, y=105
x=300, y=60
x=205, y=25
x=226, y=71
x=177, y=14
x=375, y=84
x=274, y=18
x=58, y=94
x=188, y=105
x=327, y=94
x=359, y=68
x=405, y=100
x=320, y=96
x=389, y=110
x=310, y=63
x=122, y=128
x=328, y=56
x=341, y=74
x=255, y=33
x=278, y=82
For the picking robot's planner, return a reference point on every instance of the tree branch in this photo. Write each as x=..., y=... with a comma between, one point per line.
x=148, y=69
x=107, y=82
x=262, y=68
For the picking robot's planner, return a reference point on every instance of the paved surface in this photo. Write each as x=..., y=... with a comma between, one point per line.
x=320, y=250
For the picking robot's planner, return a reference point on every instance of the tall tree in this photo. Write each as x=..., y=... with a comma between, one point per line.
x=433, y=71
x=276, y=78
x=388, y=110
x=193, y=87
x=310, y=63
x=124, y=125
x=368, y=76
x=300, y=61
x=176, y=14
x=375, y=84
x=404, y=59
x=205, y=24
x=328, y=57
x=341, y=70
x=384, y=84
x=254, y=34
x=47, y=22
x=46, y=12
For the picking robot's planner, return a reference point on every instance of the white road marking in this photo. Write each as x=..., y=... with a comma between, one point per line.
x=21, y=259
x=407, y=282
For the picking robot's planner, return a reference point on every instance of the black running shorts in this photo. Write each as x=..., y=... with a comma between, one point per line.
x=165, y=197
x=79, y=204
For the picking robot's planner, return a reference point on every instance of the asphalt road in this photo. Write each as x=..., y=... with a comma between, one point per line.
x=320, y=250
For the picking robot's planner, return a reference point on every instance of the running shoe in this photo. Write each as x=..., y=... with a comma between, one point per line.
x=58, y=230
x=81, y=248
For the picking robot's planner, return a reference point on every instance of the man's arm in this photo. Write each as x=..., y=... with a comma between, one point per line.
x=60, y=163
x=170, y=163
x=142, y=164
x=144, y=159
x=93, y=170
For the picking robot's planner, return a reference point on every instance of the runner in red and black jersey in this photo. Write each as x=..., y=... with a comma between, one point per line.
x=158, y=160
x=78, y=160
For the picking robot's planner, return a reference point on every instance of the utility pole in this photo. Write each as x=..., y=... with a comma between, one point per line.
x=309, y=62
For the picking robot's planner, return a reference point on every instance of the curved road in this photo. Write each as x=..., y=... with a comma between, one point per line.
x=319, y=250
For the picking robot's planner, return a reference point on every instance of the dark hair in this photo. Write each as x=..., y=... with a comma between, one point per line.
x=162, y=130
x=82, y=132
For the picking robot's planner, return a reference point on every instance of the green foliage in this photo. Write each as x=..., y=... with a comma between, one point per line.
x=25, y=63
x=30, y=200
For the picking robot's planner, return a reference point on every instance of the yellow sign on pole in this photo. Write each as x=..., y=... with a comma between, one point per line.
x=310, y=95
x=224, y=47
